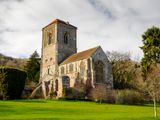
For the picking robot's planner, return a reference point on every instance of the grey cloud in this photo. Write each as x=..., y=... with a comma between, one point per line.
x=113, y=24
x=6, y=30
x=11, y=0
x=101, y=8
x=2, y=43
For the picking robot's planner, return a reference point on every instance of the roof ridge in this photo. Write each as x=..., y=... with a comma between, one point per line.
x=84, y=51
x=88, y=49
x=80, y=55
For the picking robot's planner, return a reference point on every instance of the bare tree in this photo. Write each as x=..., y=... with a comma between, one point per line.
x=123, y=69
x=151, y=85
x=114, y=56
x=99, y=93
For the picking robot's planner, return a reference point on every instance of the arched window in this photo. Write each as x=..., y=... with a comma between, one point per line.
x=49, y=38
x=66, y=38
x=65, y=82
x=48, y=70
x=71, y=68
x=62, y=70
x=99, y=69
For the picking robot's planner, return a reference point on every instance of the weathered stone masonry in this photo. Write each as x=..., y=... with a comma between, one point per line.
x=62, y=66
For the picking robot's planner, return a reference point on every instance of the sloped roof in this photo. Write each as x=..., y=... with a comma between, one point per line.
x=80, y=55
x=58, y=21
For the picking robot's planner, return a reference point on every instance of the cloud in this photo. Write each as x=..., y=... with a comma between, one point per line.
x=113, y=24
x=101, y=8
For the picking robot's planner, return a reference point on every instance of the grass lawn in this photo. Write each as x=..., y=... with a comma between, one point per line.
x=70, y=110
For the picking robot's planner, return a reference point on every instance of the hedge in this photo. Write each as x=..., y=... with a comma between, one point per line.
x=12, y=82
x=74, y=94
x=131, y=97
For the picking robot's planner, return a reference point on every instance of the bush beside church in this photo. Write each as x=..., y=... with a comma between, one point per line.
x=12, y=82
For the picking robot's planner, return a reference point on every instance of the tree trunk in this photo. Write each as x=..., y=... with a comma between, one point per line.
x=100, y=101
x=155, y=108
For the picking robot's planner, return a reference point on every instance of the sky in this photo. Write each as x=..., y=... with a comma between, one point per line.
x=115, y=25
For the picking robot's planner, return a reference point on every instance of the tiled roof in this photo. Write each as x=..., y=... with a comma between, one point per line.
x=58, y=21
x=79, y=56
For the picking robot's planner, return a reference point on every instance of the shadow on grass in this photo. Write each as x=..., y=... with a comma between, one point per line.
x=30, y=100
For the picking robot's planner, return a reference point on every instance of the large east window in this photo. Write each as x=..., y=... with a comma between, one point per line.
x=99, y=69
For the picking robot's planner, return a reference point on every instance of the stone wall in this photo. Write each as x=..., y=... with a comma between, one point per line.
x=75, y=74
x=49, y=52
x=65, y=50
x=99, y=55
x=55, y=50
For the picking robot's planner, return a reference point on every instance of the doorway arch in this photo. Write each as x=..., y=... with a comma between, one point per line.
x=65, y=82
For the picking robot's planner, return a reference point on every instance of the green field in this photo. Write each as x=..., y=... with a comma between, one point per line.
x=70, y=110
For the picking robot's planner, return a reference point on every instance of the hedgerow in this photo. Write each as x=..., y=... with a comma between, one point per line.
x=12, y=82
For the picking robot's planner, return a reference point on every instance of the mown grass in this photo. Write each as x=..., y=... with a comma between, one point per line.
x=71, y=110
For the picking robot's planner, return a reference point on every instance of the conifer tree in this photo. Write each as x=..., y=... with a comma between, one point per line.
x=150, y=48
x=33, y=67
x=150, y=64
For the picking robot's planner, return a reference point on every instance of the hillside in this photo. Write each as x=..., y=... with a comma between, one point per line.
x=12, y=62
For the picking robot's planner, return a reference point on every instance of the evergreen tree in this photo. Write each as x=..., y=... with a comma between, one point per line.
x=150, y=64
x=33, y=67
x=150, y=48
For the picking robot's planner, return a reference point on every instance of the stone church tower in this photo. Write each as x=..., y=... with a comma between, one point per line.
x=62, y=67
x=58, y=43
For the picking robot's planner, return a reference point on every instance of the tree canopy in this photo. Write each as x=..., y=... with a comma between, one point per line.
x=33, y=67
x=150, y=48
x=123, y=69
x=150, y=63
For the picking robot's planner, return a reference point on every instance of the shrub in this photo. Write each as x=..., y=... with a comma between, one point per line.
x=102, y=94
x=129, y=97
x=12, y=82
x=111, y=98
x=73, y=93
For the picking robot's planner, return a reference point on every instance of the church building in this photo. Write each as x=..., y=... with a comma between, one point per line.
x=62, y=66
